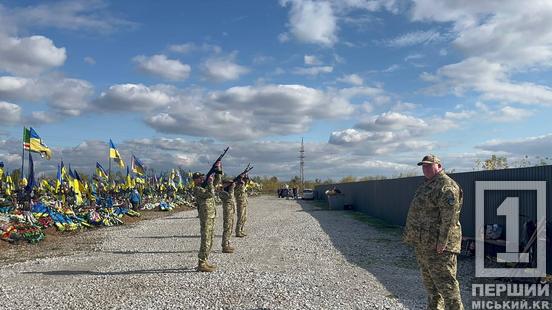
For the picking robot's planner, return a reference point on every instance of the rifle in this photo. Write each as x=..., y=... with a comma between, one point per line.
x=212, y=170
x=244, y=172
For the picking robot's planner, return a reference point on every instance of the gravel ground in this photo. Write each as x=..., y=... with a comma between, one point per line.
x=296, y=256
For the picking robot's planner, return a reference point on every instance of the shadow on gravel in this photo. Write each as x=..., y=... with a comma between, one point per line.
x=180, y=218
x=109, y=273
x=168, y=237
x=152, y=252
x=384, y=254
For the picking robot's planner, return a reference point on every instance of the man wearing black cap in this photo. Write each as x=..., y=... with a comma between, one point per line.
x=433, y=228
x=205, y=200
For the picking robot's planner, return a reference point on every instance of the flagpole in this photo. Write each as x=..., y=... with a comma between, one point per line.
x=109, y=176
x=23, y=154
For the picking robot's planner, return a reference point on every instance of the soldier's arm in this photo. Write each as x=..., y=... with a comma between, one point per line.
x=449, y=207
x=204, y=192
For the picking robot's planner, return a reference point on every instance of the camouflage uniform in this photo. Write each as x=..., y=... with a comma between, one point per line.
x=205, y=200
x=434, y=219
x=241, y=202
x=228, y=210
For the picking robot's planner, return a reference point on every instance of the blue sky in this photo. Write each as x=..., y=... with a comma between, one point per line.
x=372, y=85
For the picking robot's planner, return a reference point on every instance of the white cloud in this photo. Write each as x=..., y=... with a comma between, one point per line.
x=313, y=70
x=161, y=66
x=73, y=15
x=392, y=68
x=132, y=97
x=413, y=56
x=353, y=79
x=312, y=21
x=283, y=37
x=223, y=69
x=68, y=97
x=415, y=38
x=29, y=55
x=190, y=47
x=500, y=39
x=89, y=60
x=490, y=79
x=537, y=145
x=250, y=112
x=311, y=60
x=393, y=121
x=9, y=113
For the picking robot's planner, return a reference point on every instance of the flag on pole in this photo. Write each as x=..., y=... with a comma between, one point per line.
x=114, y=153
x=100, y=171
x=31, y=179
x=137, y=166
x=59, y=177
x=1, y=169
x=10, y=187
x=33, y=143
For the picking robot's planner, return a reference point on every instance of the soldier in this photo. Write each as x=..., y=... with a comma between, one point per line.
x=241, y=202
x=433, y=228
x=226, y=194
x=205, y=200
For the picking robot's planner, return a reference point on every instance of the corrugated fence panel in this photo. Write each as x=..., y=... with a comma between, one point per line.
x=390, y=199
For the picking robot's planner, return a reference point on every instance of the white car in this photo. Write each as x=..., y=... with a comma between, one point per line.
x=308, y=194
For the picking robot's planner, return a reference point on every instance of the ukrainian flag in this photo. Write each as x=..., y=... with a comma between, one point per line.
x=33, y=143
x=100, y=171
x=114, y=153
x=137, y=166
x=1, y=169
x=10, y=187
x=59, y=177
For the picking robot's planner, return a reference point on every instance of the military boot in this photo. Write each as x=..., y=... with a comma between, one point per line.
x=240, y=234
x=204, y=267
x=228, y=249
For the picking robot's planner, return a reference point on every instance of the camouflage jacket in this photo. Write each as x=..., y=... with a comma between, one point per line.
x=205, y=199
x=434, y=215
x=241, y=194
x=227, y=196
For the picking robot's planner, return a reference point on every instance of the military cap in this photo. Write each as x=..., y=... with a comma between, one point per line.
x=197, y=175
x=430, y=159
x=227, y=179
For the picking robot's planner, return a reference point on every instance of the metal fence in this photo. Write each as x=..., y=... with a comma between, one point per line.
x=390, y=199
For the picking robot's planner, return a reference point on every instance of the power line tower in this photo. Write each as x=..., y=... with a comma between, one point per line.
x=302, y=165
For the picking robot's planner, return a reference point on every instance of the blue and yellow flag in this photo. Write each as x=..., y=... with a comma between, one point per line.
x=114, y=153
x=100, y=171
x=33, y=143
x=10, y=187
x=1, y=169
x=59, y=177
x=137, y=166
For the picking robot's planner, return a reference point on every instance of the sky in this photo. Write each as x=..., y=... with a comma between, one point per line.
x=371, y=85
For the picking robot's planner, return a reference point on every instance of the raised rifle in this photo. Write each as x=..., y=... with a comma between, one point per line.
x=212, y=170
x=244, y=172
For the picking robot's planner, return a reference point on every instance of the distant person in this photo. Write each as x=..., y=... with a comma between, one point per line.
x=433, y=228
x=295, y=193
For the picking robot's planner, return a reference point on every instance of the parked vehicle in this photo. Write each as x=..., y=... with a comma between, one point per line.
x=308, y=194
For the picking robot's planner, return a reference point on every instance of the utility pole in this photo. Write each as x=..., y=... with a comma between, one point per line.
x=302, y=165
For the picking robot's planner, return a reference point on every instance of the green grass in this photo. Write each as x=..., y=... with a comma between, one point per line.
x=378, y=224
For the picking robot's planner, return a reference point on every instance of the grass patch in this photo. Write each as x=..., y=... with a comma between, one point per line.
x=378, y=224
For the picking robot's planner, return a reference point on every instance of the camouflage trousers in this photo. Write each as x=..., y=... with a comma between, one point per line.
x=228, y=222
x=242, y=217
x=207, y=226
x=439, y=278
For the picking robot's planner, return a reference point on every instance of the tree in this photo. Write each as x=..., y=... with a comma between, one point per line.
x=347, y=179
x=493, y=163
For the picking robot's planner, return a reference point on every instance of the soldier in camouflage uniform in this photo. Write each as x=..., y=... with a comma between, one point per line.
x=433, y=228
x=205, y=200
x=226, y=195
x=241, y=202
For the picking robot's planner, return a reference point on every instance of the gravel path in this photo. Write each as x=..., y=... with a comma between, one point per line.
x=295, y=256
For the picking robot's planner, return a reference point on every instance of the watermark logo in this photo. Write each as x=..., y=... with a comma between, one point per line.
x=510, y=209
